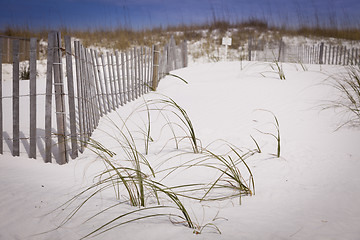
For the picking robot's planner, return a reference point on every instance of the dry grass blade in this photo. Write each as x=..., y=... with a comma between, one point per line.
x=173, y=75
x=107, y=226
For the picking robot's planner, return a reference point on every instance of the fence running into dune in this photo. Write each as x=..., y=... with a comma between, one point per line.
x=82, y=85
x=302, y=53
x=7, y=48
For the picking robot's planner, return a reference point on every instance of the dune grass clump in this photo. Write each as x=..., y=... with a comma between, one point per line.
x=132, y=179
x=170, y=106
x=136, y=183
x=275, y=135
x=348, y=87
x=276, y=68
x=230, y=177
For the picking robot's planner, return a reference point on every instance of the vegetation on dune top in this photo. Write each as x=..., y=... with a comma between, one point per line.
x=123, y=38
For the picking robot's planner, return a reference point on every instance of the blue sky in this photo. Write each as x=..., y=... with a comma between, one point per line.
x=139, y=14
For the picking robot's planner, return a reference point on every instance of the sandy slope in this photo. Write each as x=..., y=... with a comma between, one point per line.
x=310, y=192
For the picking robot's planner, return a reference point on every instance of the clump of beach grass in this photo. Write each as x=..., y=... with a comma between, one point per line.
x=135, y=182
x=278, y=68
x=275, y=135
x=348, y=103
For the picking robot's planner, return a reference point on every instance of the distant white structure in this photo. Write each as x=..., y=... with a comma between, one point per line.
x=227, y=42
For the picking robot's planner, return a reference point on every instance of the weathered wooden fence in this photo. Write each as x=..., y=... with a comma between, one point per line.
x=7, y=48
x=84, y=85
x=307, y=54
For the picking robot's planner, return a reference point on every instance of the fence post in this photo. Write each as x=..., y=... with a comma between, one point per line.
x=70, y=84
x=168, y=59
x=141, y=71
x=280, y=49
x=249, y=47
x=92, y=73
x=111, y=80
x=106, y=85
x=184, y=54
x=135, y=82
x=340, y=55
x=96, y=75
x=321, y=53
x=145, y=67
x=103, y=96
x=48, y=103
x=125, y=87
x=59, y=101
x=109, y=63
x=94, y=89
x=115, y=78
x=79, y=94
x=155, y=67
x=129, y=77
x=172, y=52
x=149, y=69
x=356, y=56
x=139, y=52
x=33, y=57
x=8, y=50
x=16, y=114
x=121, y=101
x=86, y=103
x=90, y=92
x=1, y=108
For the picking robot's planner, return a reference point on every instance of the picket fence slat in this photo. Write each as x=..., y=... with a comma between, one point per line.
x=101, y=84
x=95, y=89
x=71, y=98
x=107, y=91
x=124, y=87
x=81, y=139
x=140, y=72
x=110, y=81
x=115, y=80
x=131, y=72
x=135, y=73
x=33, y=112
x=156, y=67
x=48, y=104
x=128, y=76
x=59, y=101
x=94, y=85
x=90, y=92
x=97, y=85
x=86, y=102
x=16, y=114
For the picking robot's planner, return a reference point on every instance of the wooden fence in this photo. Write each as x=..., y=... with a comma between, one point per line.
x=7, y=48
x=84, y=85
x=307, y=54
